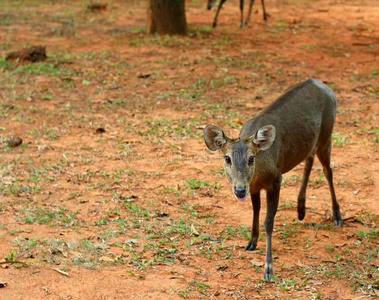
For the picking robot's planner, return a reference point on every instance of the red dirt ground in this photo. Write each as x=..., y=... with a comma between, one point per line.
x=142, y=210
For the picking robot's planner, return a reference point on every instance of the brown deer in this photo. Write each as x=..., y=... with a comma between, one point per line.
x=294, y=128
x=211, y=3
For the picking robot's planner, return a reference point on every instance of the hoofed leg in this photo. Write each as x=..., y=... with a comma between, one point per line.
x=218, y=11
x=241, y=9
x=249, y=13
x=304, y=183
x=272, y=206
x=256, y=200
x=264, y=10
x=323, y=155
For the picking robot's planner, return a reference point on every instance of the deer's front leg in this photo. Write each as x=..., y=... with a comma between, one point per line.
x=272, y=206
x=241, y=9
x=256, y=200
x=218, y=11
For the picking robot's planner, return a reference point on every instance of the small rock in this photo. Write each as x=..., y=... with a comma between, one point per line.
x=15, y=142
x=32, y=54
x=97, y=6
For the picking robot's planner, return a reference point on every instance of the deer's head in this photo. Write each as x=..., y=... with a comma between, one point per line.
x=239, y=154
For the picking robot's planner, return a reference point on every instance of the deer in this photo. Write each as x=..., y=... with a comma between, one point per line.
x=211, y=3
x=294, y=128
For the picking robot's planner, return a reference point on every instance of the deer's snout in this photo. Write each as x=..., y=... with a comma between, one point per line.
x=240, y=193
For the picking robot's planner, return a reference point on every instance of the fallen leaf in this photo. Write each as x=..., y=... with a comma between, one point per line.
x=194, y=231
x=300, y=264
x=28, y=255
x=177, y=277
x=174, y=237
x=131, y=242
x=237, y=121
x=257, y=263
x=356, y=192
x=288, y=266
x=7, y=180
x=106, y=259
x=143, y=76
x=101, y=246
x=316, y=282
x=130, y=141
x=75, y=253
x=3, y=263
x=162, y=214
x=328, y=215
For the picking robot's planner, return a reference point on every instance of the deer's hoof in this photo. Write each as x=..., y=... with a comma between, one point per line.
x=301, y=214
x=268, y=277
x=250, y=246
x=301, y=208
x=338, y=222
x=269, y=272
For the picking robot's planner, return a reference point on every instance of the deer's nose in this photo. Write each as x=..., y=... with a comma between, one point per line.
x=240, y=192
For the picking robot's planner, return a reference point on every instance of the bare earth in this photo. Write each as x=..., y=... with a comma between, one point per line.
x=112, y=194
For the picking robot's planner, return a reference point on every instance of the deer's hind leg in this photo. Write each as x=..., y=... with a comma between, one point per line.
x=323, y=154
x=303, y=188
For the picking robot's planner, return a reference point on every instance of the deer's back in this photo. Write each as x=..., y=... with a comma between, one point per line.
x=303, y=117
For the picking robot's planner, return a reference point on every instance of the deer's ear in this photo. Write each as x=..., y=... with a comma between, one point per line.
x=214, y=137
x=264, y=137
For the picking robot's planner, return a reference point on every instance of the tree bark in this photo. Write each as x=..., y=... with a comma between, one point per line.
x=166, y=17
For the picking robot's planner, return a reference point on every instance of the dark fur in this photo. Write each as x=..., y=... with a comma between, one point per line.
x=302, y=120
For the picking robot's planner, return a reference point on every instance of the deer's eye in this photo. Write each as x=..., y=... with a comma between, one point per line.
x=251, y=160
x=228, y=160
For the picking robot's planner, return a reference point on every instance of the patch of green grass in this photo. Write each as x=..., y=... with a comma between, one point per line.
x=287, y=230
x=17, y=189
x=340, y=140
x=194, y=285
x=329, y=248
x=286, y=205
x=318, y=180
x=199, y=286
x=195, y=184
x=291, y=180
x=308, y=47
x=195, y=211
x=370, y=234
x=59, y=215
x=317, y=226
x=238, y=232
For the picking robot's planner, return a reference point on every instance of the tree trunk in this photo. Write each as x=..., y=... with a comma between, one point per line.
x=166, y=17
